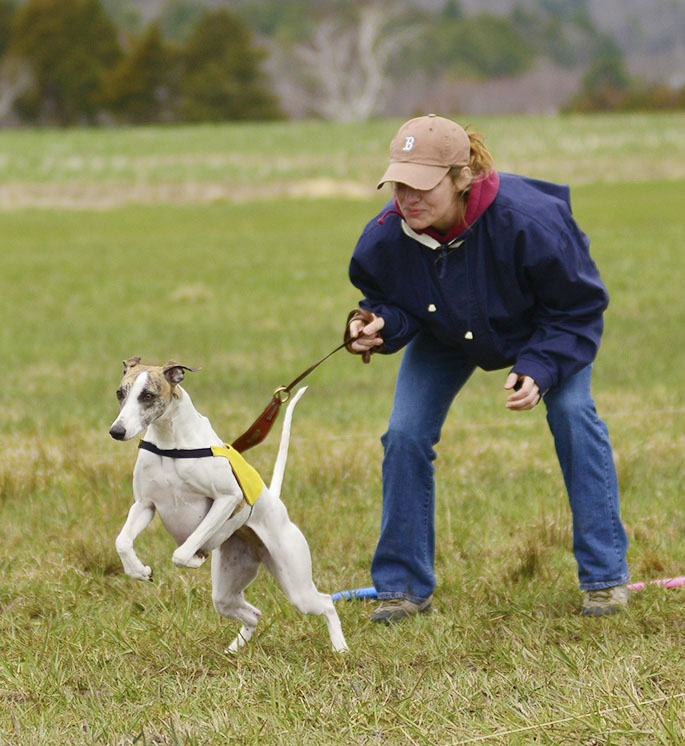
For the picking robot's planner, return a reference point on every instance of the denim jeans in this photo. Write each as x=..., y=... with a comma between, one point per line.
x=429, y=378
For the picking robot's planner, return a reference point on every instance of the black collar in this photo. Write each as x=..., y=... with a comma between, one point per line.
x=176, y=452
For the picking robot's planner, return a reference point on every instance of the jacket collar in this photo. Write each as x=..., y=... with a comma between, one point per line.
x=429, y=241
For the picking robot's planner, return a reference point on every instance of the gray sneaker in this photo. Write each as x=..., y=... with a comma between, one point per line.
x=392, y=610
x=601, y=601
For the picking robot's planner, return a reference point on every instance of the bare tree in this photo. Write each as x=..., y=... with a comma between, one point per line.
x=15, y=79
x=347, y=59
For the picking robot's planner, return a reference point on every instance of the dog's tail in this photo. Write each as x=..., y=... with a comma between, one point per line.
x=279, y=466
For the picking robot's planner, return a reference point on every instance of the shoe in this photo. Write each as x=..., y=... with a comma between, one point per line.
x=392, y=610
x=601, y=601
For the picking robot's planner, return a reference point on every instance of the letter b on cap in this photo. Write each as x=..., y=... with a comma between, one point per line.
x=408, y=143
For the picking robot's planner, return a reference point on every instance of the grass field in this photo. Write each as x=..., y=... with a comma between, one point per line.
x=227, y=247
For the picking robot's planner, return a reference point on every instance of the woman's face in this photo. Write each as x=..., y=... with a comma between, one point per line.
x=439, y=208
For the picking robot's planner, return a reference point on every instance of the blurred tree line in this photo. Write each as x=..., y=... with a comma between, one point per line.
x=98, y=61
x=607, y=86
x=353, y=56
x=65, y=62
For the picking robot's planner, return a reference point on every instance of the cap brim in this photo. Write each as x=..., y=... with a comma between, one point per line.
x=414, y=175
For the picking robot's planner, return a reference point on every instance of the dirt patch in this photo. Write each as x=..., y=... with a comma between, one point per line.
x=108, y=196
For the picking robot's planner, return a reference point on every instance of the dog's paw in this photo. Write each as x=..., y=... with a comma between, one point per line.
x=143, y=572
x=183, y=559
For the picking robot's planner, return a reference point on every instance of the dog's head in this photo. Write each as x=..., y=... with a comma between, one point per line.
x=144, y=394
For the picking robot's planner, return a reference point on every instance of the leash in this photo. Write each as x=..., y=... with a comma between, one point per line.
x=260, y=428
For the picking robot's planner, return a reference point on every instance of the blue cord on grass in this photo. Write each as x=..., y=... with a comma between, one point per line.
x=368, y=592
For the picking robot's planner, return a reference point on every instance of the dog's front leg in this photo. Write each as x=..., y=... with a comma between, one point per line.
x=218, y=517
x=139, y=516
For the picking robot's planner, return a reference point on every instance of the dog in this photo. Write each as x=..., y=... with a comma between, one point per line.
x=204, y=507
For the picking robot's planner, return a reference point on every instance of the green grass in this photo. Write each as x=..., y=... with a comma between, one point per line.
x=253, y=292
x=254, y=159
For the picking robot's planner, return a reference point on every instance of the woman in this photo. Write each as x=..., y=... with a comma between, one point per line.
x=470, y=268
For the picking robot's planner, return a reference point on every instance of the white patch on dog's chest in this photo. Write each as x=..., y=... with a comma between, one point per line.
x=166, y=490
x=179, y=506
x=179, y=510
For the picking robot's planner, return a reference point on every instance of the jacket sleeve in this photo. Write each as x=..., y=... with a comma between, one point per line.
x=571, y=299
x=400, y=327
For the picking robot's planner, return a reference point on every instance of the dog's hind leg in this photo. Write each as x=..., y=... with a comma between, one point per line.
x=288, y=559
x=235, y=565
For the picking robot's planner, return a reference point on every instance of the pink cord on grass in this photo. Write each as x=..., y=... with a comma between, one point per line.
x=663, y=582
x=370, y=592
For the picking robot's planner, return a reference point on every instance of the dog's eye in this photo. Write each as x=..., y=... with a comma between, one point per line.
x=147, y=396
x=120, y=394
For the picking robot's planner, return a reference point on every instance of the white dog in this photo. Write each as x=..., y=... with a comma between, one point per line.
x=181, y=473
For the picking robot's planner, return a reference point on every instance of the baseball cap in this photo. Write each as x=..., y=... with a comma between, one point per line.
x=423, y=151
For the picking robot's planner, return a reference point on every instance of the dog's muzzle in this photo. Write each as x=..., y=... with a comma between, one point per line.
x=117, y=432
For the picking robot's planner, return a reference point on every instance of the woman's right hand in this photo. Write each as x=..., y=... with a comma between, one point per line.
x=365, y=336
x=363, y=333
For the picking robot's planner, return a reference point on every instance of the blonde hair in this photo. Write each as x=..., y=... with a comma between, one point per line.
x=481, y=162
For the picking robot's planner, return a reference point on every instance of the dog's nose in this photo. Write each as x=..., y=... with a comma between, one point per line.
x=117, y=432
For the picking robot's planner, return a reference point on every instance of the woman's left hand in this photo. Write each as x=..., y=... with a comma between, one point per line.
x=525, y=396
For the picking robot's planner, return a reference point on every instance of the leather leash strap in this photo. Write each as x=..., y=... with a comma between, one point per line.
x=260, y=428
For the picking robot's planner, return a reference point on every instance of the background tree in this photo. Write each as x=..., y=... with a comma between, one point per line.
x=6, y=16
x=67, y=45
x=15, y=76
x=347, y=58
x=479, y=46
x=607, y=71
x=560, y=30
x=141, y=87
x=178, y=17
x=453, y=10
x=9, y=90
x=606, y=82
x=221, y=73
x=125, y=15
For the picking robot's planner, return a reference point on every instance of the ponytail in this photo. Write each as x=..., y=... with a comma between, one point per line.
x=480, y=160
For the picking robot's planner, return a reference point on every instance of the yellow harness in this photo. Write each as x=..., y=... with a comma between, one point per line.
x=248, y=477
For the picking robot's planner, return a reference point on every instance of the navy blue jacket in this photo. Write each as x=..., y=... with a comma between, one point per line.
x=518, y=288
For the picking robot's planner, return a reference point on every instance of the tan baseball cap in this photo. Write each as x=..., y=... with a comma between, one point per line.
x=423, y=151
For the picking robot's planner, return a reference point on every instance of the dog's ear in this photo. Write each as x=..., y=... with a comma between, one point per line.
x=131, y=363
x=174, y=372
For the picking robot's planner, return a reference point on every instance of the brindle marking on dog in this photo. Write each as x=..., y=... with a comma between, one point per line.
x=159, y=383
x=151, y=386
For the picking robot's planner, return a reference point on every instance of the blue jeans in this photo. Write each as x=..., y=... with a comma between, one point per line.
x=429, y=378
